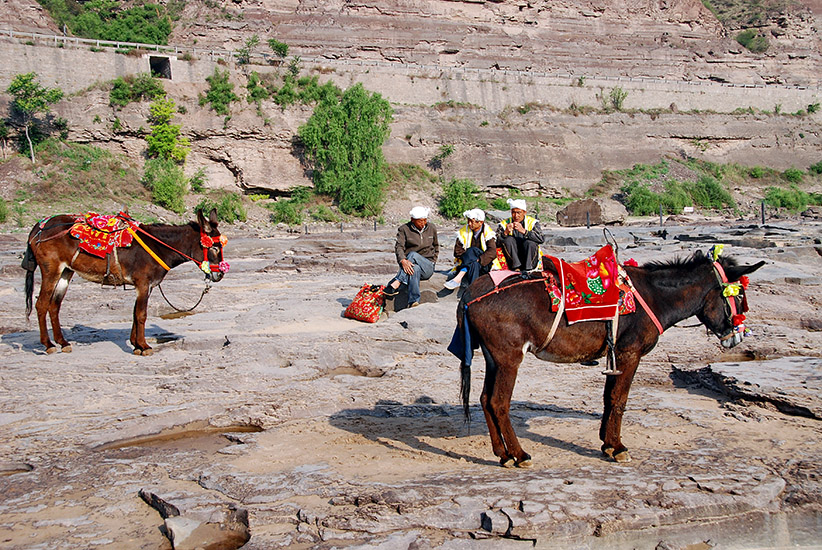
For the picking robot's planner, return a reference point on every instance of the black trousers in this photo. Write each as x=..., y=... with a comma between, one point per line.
x=520, y=253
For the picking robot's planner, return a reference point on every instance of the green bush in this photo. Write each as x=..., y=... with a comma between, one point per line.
x=104, y=20
x=165, y=140
x=793, y=175
x=641, y=200
x=130, y=88
x=229, y=207
x=197, y=181
x=753, y=41
x=815, y=168
x=167, y=183
x=322, y=213
x=284, y=211
x=499, y=203
x=460, y=195
x=4, y=211
x=220, y=93
x=756, y=172
x=279, y=48
x=793, y=199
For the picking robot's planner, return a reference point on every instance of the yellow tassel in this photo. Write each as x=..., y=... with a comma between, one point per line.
x=147, y=249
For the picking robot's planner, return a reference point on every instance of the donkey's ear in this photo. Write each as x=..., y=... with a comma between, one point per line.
x=201, y=221
x=212, y=217
x=737, y=271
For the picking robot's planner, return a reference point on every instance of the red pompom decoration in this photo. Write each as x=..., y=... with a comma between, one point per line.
x=631, y=262
x=744, y=281
x=738, y=319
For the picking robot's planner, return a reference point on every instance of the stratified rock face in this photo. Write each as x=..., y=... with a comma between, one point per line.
x=592, y=212
x=676, y=39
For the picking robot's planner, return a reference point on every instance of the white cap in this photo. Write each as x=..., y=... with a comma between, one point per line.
x=475, y=214
x=419, y=212
x=517, y=203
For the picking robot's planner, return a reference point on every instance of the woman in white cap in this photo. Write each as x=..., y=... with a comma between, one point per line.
x=475, y=251
x=416, y=250
x=520, y=237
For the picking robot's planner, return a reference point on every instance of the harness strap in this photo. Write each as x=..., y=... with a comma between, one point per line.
x=560, y=311
x=647, y=309
x=147, y=249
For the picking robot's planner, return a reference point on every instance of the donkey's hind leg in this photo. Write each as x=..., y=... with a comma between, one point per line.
x=54, y=309
x=496, y=402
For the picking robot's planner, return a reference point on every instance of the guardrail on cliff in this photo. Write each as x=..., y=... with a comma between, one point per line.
x=62, y=41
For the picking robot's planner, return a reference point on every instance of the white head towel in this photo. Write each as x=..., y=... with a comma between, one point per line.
x=419, y=212
x=475, y=214
x=517, y=203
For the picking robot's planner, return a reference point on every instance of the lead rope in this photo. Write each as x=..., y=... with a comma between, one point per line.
x=205, y=291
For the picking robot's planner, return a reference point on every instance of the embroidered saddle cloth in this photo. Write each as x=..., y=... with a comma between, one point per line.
x=99, y=234
x=592, y=288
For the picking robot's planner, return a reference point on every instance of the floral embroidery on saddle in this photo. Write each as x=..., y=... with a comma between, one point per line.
x=100, y=234
x=595, y=288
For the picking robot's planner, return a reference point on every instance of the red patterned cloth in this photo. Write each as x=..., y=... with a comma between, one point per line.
x=591, y=287
x=367, y=305
x=99, y=234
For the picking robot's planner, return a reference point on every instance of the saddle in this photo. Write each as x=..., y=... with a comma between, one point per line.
x=100, y=234
x=596, y=288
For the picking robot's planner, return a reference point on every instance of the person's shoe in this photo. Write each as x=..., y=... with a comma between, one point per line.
x=452, y=284
x=414, y=304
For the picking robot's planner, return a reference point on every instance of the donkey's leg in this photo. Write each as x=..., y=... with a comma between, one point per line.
x=616, y=398
x=54, y=309
x=497, y=443
x=499, y=404
x=138, y=326
x=50, y=277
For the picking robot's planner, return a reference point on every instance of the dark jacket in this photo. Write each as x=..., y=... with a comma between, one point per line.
x=411, y=239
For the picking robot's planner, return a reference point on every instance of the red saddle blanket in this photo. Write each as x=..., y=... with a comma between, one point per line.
x=592, y=291
x=99, y=234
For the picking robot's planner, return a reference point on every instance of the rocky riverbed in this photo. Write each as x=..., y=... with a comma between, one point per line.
x=265, y=418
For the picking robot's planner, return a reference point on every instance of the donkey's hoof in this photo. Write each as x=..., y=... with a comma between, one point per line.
x=147, y=352
x=137, y=351
x=66, y=349
x=52, y=349
x=525, y=463
x=506, y=462
x=622, y=456
x=608, y=451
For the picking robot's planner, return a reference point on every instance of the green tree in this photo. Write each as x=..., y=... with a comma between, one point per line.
x=167, y=183
x=244, y=53
x=4, y=137
x=280, y=48
x=165, y=141
x=29, y=99
x=343, y=144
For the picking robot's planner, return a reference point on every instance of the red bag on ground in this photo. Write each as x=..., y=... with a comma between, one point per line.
x=367, y=305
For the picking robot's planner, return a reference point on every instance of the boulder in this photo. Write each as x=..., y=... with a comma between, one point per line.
x=597, y=211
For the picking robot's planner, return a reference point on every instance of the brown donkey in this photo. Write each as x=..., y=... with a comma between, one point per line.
x=517, y=318
x=59, y=256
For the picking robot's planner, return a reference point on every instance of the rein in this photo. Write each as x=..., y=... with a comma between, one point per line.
x=205, y=291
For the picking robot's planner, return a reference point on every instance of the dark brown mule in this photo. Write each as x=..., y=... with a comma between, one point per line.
x=57, y=253
x=518, y=318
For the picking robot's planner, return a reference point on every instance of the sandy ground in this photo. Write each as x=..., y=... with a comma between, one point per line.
x=334, y=433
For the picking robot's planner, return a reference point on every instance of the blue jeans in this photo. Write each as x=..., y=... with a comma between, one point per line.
x=470, y=262
x=423, y=269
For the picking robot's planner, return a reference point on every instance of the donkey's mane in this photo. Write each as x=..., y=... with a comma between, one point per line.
x=688, y=263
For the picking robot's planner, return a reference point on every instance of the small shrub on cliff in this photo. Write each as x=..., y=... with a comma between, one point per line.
x=279, y=48
x=220, y=93
x=4, y=211
x=130, y=88
x=460, y=195
x=167, y=183
x=753, y=41
x=229, y=207
x=793, y=175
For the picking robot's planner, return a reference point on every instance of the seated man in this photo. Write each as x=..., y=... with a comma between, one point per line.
x=416, y=249
x=520, y=237
x=475, y=251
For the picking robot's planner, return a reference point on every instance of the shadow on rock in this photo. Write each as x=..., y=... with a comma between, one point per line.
x=390, y=422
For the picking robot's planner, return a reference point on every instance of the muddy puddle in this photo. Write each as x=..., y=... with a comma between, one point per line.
x=197, y=436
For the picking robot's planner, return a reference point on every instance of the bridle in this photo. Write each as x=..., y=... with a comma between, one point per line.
x=730, y=291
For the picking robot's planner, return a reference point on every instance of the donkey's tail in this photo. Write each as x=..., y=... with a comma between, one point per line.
x=29, y=263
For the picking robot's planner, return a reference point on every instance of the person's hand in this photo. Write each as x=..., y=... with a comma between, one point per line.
x=516, y=226
x=407, y=266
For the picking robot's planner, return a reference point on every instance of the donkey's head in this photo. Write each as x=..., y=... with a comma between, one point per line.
x=212, y=244
x=725, y=303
